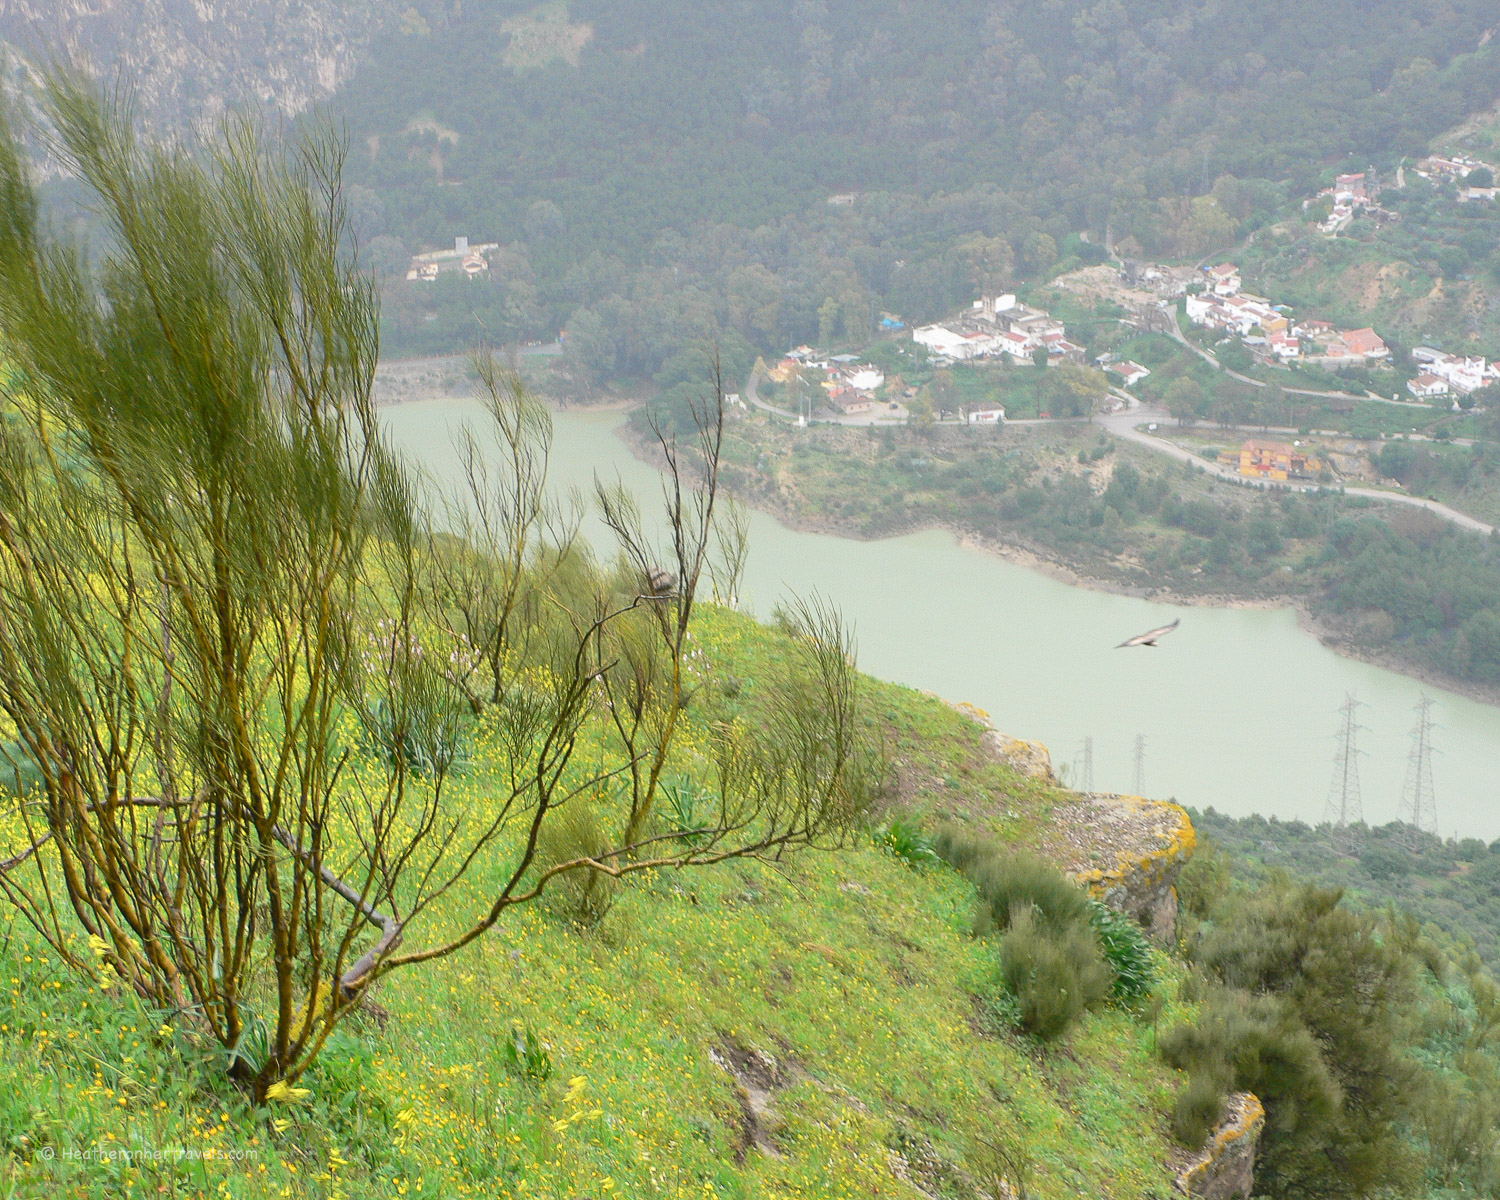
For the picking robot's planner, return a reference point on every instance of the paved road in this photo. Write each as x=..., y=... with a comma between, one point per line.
x=1213, y=361
x=881, y=414
x=1125, y=425
x=752, y=394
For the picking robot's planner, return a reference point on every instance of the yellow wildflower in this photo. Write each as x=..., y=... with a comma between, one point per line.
x=282, y=1090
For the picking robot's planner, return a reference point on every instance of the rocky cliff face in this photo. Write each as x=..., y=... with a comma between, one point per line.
x=188, y=60
x=1126, y=850
x=1225, y=1169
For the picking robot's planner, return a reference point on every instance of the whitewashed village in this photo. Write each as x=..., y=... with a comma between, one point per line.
x=1003, y=328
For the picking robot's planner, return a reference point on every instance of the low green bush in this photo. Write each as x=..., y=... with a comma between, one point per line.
x=904, y=838
x=1056, y=972
x=1198, y=1109
x=574, y=832
x=1127, y=950
x=1061, y=951
x=1009, y=881
x=688, y=810
x=525, y=1055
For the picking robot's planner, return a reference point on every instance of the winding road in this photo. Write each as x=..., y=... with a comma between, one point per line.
x=1214, y=362
x=1125, y=425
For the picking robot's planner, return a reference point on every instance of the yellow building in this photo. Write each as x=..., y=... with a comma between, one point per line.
x=1272, y=460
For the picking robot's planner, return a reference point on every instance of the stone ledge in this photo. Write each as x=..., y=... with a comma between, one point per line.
x=1225, y=1168
x=1126, y=850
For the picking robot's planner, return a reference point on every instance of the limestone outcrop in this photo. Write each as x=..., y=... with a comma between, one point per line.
x=1126, y=850
x=1225, y=1168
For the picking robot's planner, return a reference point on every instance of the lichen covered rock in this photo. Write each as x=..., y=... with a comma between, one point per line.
x=1225, y=1168
x=1128, y=851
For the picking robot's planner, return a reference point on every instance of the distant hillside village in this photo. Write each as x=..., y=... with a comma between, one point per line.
x=1003, y=328
x=1475, y=179
x=1000, y=325
x=1353, y=195
x=848, y=386
x=1268, y=328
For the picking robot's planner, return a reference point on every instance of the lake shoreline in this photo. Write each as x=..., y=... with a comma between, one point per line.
x=1023, y=554
x=1047, y=562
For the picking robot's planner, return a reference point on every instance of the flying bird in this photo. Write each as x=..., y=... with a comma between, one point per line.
x=1149, y=638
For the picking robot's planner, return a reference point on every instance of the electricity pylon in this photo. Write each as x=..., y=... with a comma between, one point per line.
x=1418, y=800
x=1343, y=808
x=1140, y=764
x=1084, y=766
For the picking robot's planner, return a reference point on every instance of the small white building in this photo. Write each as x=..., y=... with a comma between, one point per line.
x=1224, y=279
x=1130, y=373
x=471, y=260
x=940, y=340
x=1462, y=374
x=1425, y=385
x=986, y=413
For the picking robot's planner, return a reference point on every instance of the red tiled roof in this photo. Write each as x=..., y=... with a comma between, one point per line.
x=1363, y=341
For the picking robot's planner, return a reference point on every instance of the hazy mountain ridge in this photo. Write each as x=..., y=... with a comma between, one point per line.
x=188, y=60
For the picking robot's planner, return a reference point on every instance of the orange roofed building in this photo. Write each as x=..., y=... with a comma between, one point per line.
x=1272, y=460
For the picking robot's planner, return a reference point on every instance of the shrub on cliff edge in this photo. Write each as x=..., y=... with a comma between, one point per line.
x=1056, y=972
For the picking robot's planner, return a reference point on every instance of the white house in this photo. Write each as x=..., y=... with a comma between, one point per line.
x=1224, y=279
x=1246, y=312
x=1285, y=347
x=865, y=379
x=939, y=339
x=987, y=413
x=1017, y=345
x=1425, y=385
x=1201, y=310
x=1462, y=374
x=988, y=307
x=1130, y=373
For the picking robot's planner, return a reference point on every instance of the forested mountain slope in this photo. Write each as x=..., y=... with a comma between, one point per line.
x=602, y=139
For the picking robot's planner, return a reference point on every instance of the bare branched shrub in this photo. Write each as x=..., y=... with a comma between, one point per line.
x=243, y=663
x=1003, y=1165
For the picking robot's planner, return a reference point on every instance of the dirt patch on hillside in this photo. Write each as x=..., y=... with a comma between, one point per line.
x=544, y=36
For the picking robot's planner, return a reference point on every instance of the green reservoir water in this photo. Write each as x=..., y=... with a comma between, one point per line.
x=1238, y=707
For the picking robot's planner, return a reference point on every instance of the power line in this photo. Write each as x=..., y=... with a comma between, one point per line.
x=1418, y=800
x=1140, y=764
x=1084, y=766
x=1344, y=808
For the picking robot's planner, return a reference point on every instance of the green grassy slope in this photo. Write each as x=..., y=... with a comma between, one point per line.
x=843, y=986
